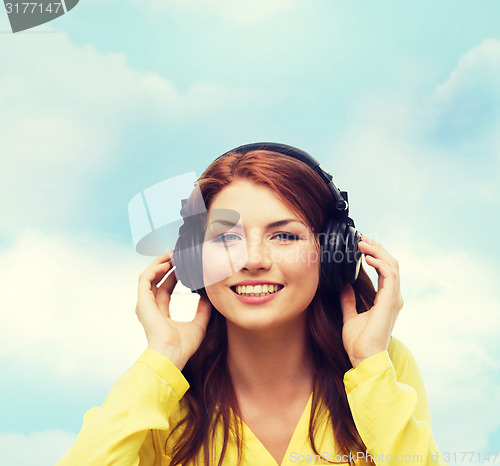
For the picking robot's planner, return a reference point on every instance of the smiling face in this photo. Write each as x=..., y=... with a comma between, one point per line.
x=273, y=251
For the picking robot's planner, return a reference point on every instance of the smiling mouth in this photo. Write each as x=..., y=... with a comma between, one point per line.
x=256, y=290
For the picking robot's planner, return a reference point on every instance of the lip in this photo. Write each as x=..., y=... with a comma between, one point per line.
x=256, y=299
x=256, y=282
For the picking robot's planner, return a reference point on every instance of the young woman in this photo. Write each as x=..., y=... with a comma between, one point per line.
x=286, y=361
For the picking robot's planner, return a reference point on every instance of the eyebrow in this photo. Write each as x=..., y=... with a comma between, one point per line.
x=278, y=223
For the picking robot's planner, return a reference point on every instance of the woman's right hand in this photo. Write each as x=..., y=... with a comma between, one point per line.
x=176, y=340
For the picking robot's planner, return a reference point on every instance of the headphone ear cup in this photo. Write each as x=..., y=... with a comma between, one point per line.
x=340, y=256
x=188, y=258
x=352, y=256
x=329, y=237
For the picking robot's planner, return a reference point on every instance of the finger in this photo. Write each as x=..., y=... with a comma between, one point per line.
x=153, y=274
x=372, y=248
x=382, y=267
x=387, y=300
x=348, y=302
x=168, y=281
x=164, y=276
x=388, y=277
x=166, y=256
x=164, y=292
x=146, y=289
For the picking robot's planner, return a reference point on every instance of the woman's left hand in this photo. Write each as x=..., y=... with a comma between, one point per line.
x=369, y=333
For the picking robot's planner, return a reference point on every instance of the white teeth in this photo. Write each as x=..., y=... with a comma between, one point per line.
x=257, y=290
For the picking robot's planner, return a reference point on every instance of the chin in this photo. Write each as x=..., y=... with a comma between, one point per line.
x=261, y=321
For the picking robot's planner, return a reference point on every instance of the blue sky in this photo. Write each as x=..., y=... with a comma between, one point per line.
x=399, y=100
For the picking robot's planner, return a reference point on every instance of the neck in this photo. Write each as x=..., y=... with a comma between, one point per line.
x=277, y=360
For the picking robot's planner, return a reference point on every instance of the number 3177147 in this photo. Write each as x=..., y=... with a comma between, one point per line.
x=26, y=8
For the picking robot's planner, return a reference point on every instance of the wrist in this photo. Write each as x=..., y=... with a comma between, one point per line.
x=356, y=361
x=358, y=358
x=174, y=353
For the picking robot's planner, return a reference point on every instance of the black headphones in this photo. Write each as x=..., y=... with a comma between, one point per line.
x=340, y=256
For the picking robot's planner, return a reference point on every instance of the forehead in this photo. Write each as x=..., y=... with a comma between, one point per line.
x=252, y=200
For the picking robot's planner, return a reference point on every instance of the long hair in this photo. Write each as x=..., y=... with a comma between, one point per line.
x=211, y=398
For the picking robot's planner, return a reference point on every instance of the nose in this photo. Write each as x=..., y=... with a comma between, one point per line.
x=259, y=257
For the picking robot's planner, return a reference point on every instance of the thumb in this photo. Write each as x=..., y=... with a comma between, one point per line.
x=348, y=302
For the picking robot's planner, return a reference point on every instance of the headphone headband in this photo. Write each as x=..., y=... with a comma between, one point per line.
x=341, y=202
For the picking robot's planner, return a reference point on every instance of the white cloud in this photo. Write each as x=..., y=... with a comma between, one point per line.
x=451, y=324
x=450, y=321
x=237, y=11
x=478, y=69
x=463, y=112
x=65, y=110
x=68, y=305
x=39, y=448
x=384, y=167
x=398, y=171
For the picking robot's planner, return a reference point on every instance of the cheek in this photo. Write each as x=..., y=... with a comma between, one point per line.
x=306, y=257
x=303, y=266
x=221, y=262
x=217, y=295
x=212, y=294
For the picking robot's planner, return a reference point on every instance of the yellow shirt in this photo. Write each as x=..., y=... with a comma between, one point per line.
x=385, y=393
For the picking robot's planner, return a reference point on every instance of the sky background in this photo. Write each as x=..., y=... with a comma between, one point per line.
x=400, y=101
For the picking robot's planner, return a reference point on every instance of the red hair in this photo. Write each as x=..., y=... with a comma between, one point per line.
x=211, y=396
